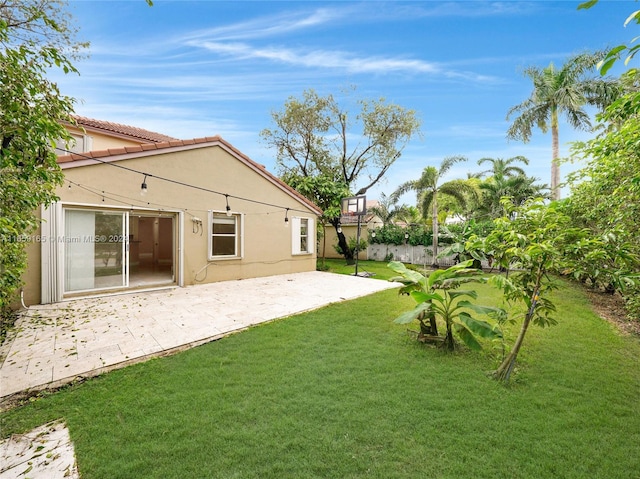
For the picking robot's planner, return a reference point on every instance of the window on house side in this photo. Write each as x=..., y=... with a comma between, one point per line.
x=302, y=239
x=225, y=236
x=79, y=144
x=304, y=234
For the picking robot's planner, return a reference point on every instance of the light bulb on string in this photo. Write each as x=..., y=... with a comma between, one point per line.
x=143, y=187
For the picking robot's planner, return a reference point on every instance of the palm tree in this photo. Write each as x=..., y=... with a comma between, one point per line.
x=567, y=91
x=501, y=167
x=388, y=210
x=428, y=189
x=508, y=180
x=518, y=188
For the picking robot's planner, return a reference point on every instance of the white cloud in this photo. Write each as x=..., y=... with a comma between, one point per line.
x=270, y=26
x=320, y=58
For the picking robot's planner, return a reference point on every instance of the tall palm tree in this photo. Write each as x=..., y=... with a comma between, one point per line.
x=502, y=168
x=428, y=188
x=566, y=90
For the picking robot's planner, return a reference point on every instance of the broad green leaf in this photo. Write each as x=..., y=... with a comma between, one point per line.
x=457, y=294
x=467, y=337
x=480, y=328
x=634, y=16
x=488, y=310
x=587, y=5
x=421, y=296
x=605, y=66
x=412, y=315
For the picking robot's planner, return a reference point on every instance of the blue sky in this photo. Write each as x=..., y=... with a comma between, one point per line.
x=201, y=68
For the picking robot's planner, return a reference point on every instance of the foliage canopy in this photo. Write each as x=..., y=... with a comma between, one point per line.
x=35, y=36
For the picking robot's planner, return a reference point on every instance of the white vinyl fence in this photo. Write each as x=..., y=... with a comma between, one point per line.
x=420, y=255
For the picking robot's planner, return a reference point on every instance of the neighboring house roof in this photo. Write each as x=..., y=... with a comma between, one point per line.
x=117, y=129
x=150, y=149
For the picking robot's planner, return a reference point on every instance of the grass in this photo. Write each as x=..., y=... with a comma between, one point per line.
x=377, y=268
x=342, y=392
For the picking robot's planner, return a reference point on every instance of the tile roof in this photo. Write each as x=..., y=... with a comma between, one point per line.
x=119, y=129
x=130, y=152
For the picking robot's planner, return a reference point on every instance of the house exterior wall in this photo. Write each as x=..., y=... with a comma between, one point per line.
x=327, y=249
x=267, y=238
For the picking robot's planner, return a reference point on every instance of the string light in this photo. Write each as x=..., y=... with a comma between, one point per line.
x=228, y=207
x=176, y=182
x=126, y=200
x=143, y=187
x=286, y=217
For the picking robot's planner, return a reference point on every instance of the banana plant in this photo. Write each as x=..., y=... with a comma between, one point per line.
x=438, y=296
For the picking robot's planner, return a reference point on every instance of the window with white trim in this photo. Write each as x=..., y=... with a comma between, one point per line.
x=79, y=144
x=302, y=239
x=225, y=240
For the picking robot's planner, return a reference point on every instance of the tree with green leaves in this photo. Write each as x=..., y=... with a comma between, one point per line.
x=505, y=179
x=616, y=53
x=501, y=167
x=605, y=197
x=429, y=188
x=557, y=92
x=315, y=136
x=36, y=36
x=388, y=211
x=529, y=242
x=438, y=296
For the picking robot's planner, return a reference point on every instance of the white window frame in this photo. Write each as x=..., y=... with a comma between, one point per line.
x=296, y=235
x=79, y=144
x=239, y=236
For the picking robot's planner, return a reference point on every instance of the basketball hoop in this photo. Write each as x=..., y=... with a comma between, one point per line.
x=354, y=205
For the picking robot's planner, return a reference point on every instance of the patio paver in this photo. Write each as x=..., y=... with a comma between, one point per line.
x=57, y=343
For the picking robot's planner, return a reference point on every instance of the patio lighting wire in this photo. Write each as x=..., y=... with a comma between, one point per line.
x=130, y=201
x=180, y=183
x=135, y=202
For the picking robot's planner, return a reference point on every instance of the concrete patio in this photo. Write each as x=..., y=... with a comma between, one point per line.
x=55, y=344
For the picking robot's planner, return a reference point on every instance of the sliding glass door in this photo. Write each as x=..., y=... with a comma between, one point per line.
x=95, y=250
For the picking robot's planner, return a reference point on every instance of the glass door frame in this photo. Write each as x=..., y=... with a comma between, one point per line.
x=95, y=238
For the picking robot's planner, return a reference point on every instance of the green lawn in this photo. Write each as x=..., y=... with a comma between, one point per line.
x=343, y=392
x=378, y=269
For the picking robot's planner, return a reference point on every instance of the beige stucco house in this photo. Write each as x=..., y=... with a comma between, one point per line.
x=141, y=210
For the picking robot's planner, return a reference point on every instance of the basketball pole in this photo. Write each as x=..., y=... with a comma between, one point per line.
x=358, y=244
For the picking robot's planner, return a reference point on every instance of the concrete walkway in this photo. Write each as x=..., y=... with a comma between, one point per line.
x=55, y=344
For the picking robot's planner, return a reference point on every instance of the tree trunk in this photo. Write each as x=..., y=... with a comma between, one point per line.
x=555, y=167
x=342, y=241
x=434, y=220
x=324, y=244
x=449, y=342
x=503, y=373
